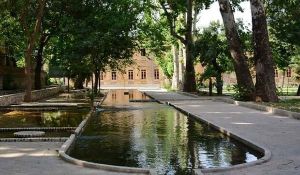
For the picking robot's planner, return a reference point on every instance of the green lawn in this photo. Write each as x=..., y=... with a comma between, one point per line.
x=290, y=105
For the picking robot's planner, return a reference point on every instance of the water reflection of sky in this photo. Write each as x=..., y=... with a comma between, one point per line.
x=155, y=136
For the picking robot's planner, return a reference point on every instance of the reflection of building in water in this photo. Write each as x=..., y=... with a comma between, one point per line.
x=114, y=96
x=143, y=73
x=130, y=94
x=123, y=96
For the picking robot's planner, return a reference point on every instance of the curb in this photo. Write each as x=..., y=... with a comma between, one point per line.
x=267, y=153
x=38, y=129
x=271, y=110
x=41, y=139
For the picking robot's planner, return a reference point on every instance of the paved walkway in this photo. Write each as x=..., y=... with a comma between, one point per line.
x=39, y=158
x=281, y=135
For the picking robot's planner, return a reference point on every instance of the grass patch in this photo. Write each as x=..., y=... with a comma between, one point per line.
x=289, y=105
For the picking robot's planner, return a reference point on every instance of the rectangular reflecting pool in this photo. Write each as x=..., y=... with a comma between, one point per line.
x=59, y=118
x=152, y=135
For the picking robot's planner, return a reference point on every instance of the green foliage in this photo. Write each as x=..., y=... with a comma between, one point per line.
x=154, y=35
x=12, y=40
x=283, y=52
x=211, y=50
x=240, y=93
x=94, y=36
x=166, y=64
x=283, y=17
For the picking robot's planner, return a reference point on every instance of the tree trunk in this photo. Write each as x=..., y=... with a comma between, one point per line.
x=244, y=79
x=189, y=84
x=181, y=66
x=79, y=80
x=31, y=42
x=175, y=79
x=298, y=92
x=68, y=84
x=96, y=81
x=219, y=84
x=39, y=62
x=264, y=63
x=99, y=82
x=210, y=87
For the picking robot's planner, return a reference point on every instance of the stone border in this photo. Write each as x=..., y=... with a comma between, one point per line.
x=251, y=144
x=17, y=98
x=271, y=110
x=69, y=144
x=267, y=153
x=37, y=129
x=38, y=139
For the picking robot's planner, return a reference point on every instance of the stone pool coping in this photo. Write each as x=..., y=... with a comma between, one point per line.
x=260, y=107
x=37, y=139
x=38, y=129
x=265, y=151
x=69, y=145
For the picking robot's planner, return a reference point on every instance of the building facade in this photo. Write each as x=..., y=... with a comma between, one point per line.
x=144, y=73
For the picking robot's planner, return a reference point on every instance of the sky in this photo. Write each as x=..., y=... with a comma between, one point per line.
x=213, y=14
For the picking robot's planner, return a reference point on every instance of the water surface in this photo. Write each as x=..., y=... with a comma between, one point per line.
x=152, y=135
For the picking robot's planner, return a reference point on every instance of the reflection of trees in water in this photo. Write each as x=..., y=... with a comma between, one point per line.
x=107, y=139
x=160, y=138
x=61, y=118
x=41, y=118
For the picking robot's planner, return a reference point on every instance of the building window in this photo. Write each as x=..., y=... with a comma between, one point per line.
x=143, y=72
x=276, y=72
x=130, y=75
x=114, y=75
x=156, y=74
x=101, y=75
x=289, y=72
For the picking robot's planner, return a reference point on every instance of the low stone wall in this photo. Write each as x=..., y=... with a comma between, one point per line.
x=6, y=100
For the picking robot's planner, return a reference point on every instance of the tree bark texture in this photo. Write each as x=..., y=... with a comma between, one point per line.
x=189, y=84
x=181, y=65
x=31, y=44
x=97, y=72
x=210, y=87
x=219, y=81
x=39, y=61
x=264, y=63
x=175, y=78
x=79, y=80
x=244, y=79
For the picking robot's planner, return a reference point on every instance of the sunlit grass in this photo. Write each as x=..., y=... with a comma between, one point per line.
x=289, y=104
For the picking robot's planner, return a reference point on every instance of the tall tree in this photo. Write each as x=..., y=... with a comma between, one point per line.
x=264, y=64
x=49, y=28
x=31, y=40
x=212, y=51
x=241, y=67
x=189, y=84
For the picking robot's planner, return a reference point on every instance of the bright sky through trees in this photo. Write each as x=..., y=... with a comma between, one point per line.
x=213, y=14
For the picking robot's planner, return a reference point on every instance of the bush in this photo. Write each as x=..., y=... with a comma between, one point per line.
x=240, y=93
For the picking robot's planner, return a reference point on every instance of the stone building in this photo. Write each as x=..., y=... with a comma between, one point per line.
x=143, y=73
